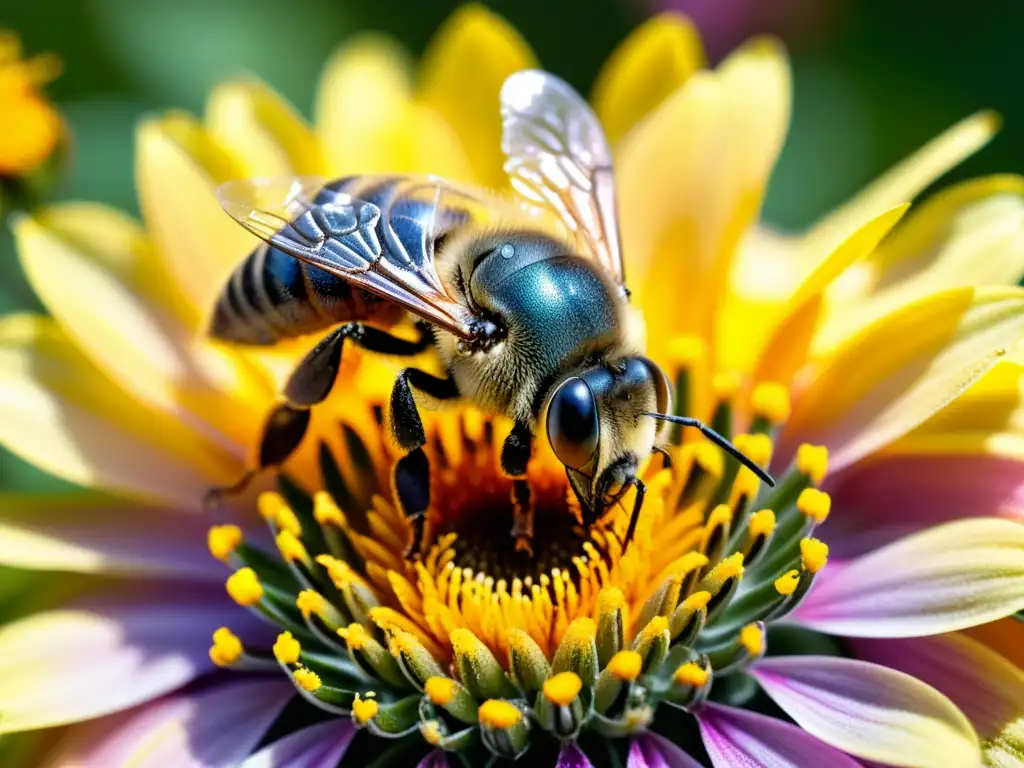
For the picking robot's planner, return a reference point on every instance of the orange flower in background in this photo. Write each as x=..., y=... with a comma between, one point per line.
x=30, y=127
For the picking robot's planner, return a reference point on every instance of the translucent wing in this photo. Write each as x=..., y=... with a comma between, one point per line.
x=557, y=155
x=383, y=244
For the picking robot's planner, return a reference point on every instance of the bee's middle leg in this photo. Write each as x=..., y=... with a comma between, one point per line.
x=515, y=456
x=412, y=472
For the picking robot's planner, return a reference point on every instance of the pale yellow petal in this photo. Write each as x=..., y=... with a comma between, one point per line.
x=261, y=130
x=691, y=178
x=657, y=57
x=61, y=414
x=462, y=73
x=901, y=183
x=178, y=167
x=895, y=374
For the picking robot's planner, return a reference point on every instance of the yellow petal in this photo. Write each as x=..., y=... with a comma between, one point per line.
x=895, y=374
x=178, y=167
x=901, y=183
x=969, y=234
x=692, y=177
x=649, y=65
x=261, y=130
x=59, y=413
x=462, y=73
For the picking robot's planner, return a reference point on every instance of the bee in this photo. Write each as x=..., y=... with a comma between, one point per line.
x=527, y=321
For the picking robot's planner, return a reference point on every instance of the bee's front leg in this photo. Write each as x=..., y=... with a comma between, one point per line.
x=515, y=455
x=412, y=472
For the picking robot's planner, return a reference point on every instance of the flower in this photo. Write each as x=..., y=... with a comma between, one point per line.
x=827, y=356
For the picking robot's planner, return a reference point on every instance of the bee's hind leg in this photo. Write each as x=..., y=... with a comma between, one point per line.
x=515, y=455
x=412, y=472
x=309, y=384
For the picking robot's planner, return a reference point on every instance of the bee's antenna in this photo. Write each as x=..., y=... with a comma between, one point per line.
x=715, y=438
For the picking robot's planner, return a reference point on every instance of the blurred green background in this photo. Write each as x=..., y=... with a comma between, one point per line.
x=873, y=79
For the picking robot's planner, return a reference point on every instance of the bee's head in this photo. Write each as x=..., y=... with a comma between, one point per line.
x=595, y=427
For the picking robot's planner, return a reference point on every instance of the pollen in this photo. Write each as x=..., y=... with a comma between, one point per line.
x=752, y=639
x=610, y=599
x=691, y=674
x=326, y=512
x=355, y=635
x=223, y=540
x=268, y=503
x=697, y=600
x=813, y=554
x=310, y=602
x=431, y=733
x=730, y=568
x=687, y=351
x=770, y=401
x=726, y=385
x=291, y=549
x=708, y=457
x=498, y=713
x=226, y=648
x=308, y=680
x=465, y=643
x=440, y=690
x=626, y=665
x=812, y=461
x=244, y=587
x=563, y=688
x=757, y=447
x=787, y=583
x=762, y=523
x=364, y=710
x=286, y=520
x=287, y=648
x=814, y=504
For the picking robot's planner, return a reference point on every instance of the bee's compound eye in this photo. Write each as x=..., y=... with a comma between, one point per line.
x=572, y=423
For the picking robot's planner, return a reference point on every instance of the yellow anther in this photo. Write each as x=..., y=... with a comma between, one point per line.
x=813, y=554
x=770, y=401
x=310, y=603
x=726, y=385
x=757, y=447
x=355, y=635
x=431, y=733
x=581, y=632
x=307, y=679
x=465, y=643
x=268, y=503
x=762, y=523
x=440, y=690
x=610, y=599
x=697, y=600
x=657, y=625
x=563, y=688
x=691, y=674
x=812, y=461
x=731, y=567
x=287, y=648
x=244, y=587
x=498, y=713
x=814, y=504
x=687, y=351
x=325, y=511
x=787, y=583
x=226, y=648
x=752, y=639
x=223, y=540
x=291, y=549
x=719, y=516
x=626, y=665
x=708, y=457
x=365, y=709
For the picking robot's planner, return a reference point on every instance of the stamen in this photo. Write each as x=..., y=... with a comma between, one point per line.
x=244, y=587
x=223, y=540
x=762, y=523
x=364, y=710
x=226, y=649
x=310, y=603
x=813, y=554
x=287, y=648
x=812, y=461
x=498, y=713
x=687, y=351
x=814, y=504
x=355, y=635
x=291, y=549
x=726, y=385
x=307, y=679
x=626, y=665
x=770, y=401
x=752, y=639
x=563, y=688
x=440, y=690
x=691, y=674
x=326, y=512
x=431, y=733
x=787, y=583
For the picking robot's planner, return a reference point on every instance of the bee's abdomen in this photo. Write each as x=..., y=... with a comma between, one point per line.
x=272, y=296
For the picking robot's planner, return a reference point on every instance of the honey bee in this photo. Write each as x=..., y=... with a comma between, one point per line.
x=526, y=321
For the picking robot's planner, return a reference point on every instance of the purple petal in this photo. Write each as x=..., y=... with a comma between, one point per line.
x=319, y=746
x=986, y=687
x=653, y=751
x=884, y=500
x=436, y=759
x=110, y=650
x=870, y=711
x=738, y=739
x=572, y=756
x=216, y=726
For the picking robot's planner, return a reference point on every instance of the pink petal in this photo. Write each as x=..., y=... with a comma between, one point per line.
x=319, y=746
x=110, y=650
x=986, y=687
x=436, y=759
x=653, y=751
x=870, y=711
x=216, y=726
x=735, y=738
x=946, y=578
x=571, y=756
x=880, y=501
